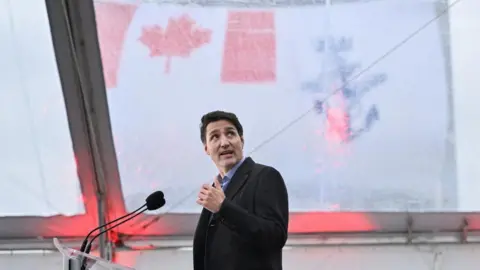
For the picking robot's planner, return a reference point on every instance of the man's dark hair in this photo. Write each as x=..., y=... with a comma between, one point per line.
x=217, y=116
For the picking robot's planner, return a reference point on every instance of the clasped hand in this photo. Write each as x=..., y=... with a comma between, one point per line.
x=211, y=197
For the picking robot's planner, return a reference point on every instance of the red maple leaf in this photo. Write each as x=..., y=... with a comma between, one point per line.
x=179, y=38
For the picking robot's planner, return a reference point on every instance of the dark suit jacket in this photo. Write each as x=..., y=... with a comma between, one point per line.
x=250, y=230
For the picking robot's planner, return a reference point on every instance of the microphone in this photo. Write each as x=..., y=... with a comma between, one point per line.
x=153, y=202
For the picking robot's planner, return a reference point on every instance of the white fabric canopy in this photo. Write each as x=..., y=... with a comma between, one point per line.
x=352, y=102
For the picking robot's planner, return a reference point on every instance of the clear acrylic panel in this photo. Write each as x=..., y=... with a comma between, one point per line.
x=38, y=174
x=355, y=103
x=74, y=260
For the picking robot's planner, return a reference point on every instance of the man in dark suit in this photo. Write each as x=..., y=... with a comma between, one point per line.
x=244, y=222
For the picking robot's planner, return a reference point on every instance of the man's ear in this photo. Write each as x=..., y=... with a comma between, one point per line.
x=243, y=141
x=206, y=149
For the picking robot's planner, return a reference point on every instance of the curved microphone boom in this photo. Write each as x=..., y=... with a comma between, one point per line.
x=153, y=202
x=85, y=241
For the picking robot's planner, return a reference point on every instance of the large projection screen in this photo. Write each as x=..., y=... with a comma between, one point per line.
x=350, y=102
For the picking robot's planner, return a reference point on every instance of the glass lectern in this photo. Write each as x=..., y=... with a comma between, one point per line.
x=76, y=260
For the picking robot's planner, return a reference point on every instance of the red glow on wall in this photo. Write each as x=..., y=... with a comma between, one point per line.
x=126, y=258
x=330, y=222
x=337, y=127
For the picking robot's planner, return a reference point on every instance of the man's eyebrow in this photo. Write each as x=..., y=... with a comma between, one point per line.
x=217, y=130
x=212, y=131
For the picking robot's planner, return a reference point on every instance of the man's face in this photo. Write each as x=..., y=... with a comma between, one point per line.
x=223, y=144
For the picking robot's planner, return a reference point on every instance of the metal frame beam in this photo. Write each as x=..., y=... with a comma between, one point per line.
x=78, y=57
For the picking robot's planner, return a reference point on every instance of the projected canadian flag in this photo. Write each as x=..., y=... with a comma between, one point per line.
x=113, y=20
x=249, y=53
x=179, y=38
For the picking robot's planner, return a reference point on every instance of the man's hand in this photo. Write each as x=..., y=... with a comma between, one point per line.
x=211, y=197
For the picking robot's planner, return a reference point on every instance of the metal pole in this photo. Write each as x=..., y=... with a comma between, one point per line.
x=74, y=36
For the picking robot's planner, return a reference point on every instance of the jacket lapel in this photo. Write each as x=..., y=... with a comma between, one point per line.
x=240, y=178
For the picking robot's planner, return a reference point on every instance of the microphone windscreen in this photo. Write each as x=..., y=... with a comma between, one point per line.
x=155, y=200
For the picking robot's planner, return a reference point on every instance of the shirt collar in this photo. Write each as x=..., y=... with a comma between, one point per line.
x=232, y=171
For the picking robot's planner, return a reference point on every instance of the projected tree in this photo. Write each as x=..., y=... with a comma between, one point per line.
x=339, y=93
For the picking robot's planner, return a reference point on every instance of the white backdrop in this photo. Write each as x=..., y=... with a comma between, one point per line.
x=36, y=155
x=396, y=165
x=465, y=51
